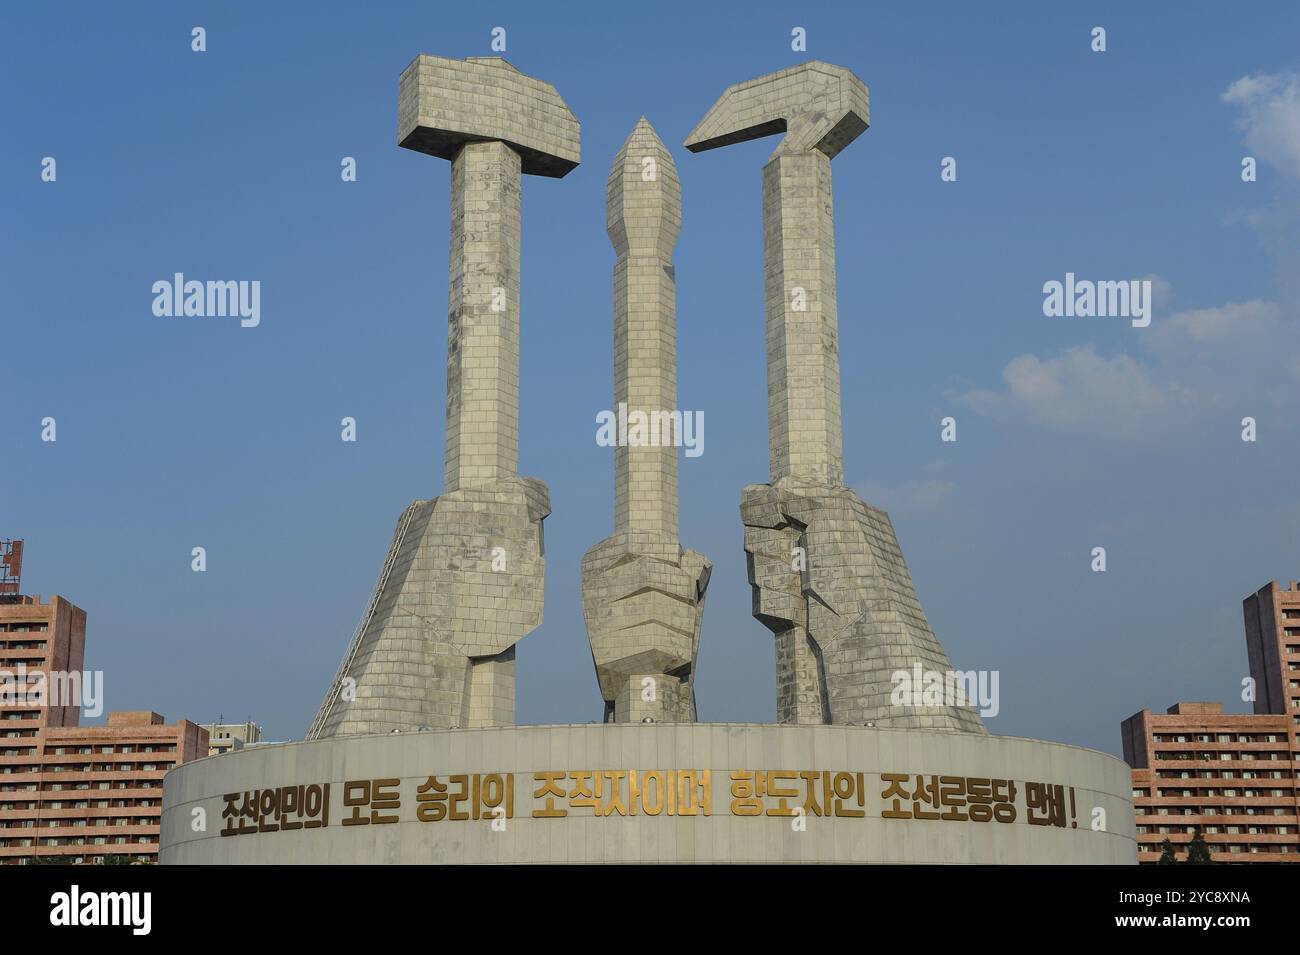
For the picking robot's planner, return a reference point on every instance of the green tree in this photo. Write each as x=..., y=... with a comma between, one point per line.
x=1167, y=856
x=1198, y=850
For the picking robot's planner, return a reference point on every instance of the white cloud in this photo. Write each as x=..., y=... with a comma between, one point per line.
x=1250, y=323
x=1082, y=391
x=1235, y=358
x=1270, y=116
x=1239, y=355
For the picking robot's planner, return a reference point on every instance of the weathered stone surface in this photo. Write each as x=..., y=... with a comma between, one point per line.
x=483, y=317
x=643, y=595
x=463, y=581
x=636, y=763
x=463, y=584
x=444, y=103
x=847, y=618
x=828, y=576
x=817, y=106
x=821, y=109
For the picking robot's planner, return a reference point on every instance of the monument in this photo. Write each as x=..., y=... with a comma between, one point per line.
x=414, y=758
x=462, y=583
x=827, y=573
x=643, y=595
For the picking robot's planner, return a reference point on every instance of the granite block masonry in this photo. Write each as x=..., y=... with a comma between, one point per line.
x=827, y=574
x=643, y=594
x=462, y=583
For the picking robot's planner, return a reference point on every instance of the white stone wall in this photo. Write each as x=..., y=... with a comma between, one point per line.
x=1099, y=781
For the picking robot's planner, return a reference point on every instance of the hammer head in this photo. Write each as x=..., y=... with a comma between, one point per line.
x=816, y=105
x=442, y=104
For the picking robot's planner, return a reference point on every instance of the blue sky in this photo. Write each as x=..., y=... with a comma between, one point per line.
x=1072, y=433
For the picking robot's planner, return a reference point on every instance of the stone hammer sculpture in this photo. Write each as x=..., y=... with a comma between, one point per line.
x=463, y=580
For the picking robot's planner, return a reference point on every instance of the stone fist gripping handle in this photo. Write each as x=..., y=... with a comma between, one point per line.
x=642, y=593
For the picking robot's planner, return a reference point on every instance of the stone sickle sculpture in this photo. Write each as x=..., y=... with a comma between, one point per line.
x=827, y=573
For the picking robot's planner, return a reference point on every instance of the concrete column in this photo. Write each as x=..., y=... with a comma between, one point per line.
x=483, y=317
x=644, y=220
x=799, y=679
x=643, y=595
x=803, y=353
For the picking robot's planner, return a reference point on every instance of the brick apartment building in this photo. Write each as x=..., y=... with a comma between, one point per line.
x=80, y=792
x=1234, y=775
